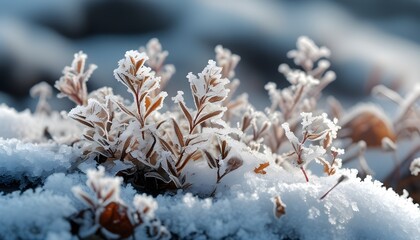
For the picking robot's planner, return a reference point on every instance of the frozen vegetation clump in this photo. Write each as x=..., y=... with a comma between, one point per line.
x=149, y=167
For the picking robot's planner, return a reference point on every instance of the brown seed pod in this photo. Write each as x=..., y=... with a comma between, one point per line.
x=115, y=219
x=367, y=123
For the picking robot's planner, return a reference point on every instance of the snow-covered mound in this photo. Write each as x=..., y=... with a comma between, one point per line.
x=354, y=210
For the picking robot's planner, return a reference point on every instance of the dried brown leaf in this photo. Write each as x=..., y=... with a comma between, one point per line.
x=156, y=105
x=186, y=160
x=86, y=123
x=152, y=148
x=125, y=109
x=187, y=114
x=86, y=199
x=234, y=163
x=216, y=99
x=210, y=160
x=109, y=195
x=208, y=116
x=178, y=133
x=139, y=64
x=166, y=145
x=147, y=102
x=261, y=167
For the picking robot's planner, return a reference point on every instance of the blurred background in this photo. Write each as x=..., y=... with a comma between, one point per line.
x=372, y=41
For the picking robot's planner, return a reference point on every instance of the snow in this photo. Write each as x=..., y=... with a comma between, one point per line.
x=20, y=161
x=354, y=210
x=30, y=127
x=34, y=215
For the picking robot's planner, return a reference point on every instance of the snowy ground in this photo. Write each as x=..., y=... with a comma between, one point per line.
x=242, y=208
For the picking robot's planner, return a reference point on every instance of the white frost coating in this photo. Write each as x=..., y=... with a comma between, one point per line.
x=289, y=134
x=415, y=167
x=339, y=151
x=320, y=125
x=179, y=97
x=20, y=160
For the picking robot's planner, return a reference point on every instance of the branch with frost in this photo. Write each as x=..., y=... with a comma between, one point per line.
x=156, y=61
x=43, y=91
x=209, y=92
x=408, y=111
x=307, y=84
x=73, y=82
x=228, y=62
x=141, y=83
x=316, y=129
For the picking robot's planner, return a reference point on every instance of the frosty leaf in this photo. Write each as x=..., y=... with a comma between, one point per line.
x=234, y=163
x=73, y=82
x=210, y=160
x=208, y=116
x=289, y=134
x=178, y=133
x=157, y=104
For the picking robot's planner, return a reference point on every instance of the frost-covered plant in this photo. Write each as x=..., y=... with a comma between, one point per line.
x=107, y=215
x=156, y=61
x=306, y=84
x=316, y=129
x=156, y=148
x=43, y=91
x=73, y=82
